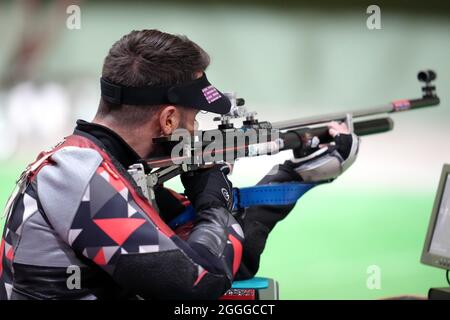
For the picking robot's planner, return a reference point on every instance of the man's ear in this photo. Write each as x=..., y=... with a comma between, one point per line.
x=169, y=119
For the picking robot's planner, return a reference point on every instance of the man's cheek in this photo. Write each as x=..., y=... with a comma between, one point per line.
x=191, y=127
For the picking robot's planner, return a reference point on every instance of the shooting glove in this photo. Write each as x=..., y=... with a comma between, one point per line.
x=207, y=188
x=328, y=162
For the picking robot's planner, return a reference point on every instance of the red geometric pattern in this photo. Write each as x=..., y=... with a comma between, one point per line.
x=100, y=258
x=10, y=254
x=184, y=201
x=237, y=250
x=2, y=248
x=119, y=229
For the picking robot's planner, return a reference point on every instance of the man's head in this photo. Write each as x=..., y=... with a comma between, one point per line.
x=151, y=58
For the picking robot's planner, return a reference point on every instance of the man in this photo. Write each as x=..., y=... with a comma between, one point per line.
x=77, y=208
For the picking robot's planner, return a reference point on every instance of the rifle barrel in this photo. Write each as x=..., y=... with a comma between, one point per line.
x=395, y=106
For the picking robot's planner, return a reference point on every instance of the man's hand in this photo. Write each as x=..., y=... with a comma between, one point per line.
x=331, y=159
x=209, y=187
x=336, y=129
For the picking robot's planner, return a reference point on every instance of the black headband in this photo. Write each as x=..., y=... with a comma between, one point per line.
x=197, y=94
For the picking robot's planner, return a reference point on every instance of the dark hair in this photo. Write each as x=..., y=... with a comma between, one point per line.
x=149, y=57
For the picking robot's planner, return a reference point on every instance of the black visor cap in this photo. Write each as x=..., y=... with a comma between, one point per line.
x=198, y=94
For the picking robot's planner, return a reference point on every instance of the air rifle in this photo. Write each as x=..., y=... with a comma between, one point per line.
x=186, y=152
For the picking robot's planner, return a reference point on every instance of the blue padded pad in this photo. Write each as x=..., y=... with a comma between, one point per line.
x=254, y=283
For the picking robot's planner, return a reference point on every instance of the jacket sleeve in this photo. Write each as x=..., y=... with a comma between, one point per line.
x=113, y=231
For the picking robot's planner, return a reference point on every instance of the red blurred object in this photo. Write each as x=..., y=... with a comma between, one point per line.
x=239, y=294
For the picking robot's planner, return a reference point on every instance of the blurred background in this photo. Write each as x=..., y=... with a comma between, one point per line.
x=287, y=60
